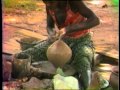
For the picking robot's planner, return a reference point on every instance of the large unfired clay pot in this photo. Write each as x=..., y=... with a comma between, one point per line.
x=59, y=53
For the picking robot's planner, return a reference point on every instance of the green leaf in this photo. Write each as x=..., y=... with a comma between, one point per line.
x=60, y=71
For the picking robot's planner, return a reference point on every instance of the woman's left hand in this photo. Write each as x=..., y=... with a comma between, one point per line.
x=62, y=33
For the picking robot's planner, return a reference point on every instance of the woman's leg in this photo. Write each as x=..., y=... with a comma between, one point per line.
x=82, y=62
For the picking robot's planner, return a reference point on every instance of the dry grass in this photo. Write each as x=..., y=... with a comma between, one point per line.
x=20, y=4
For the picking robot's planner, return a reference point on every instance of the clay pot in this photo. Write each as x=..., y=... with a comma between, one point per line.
x=114, y=78
x=21, y=66
x=59, y=53
x=7, y=70
x=7, y=67
x=28, y=42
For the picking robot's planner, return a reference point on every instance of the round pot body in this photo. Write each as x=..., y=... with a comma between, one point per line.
x=59, y=53
x=21, y=65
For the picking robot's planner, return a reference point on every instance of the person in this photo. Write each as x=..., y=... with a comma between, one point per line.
x=73, y=20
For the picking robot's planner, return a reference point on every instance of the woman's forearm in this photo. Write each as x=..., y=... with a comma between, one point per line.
x=82, y=25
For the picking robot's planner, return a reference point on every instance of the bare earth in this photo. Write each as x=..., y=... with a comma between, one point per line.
x=105, y=35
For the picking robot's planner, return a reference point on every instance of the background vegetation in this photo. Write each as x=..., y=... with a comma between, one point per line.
x=20, y=4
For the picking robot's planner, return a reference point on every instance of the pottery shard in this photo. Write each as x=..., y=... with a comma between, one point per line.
x=35, y=83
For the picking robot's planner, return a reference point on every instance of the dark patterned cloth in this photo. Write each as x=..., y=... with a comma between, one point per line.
x=82, y=58
x=82, y=55
x=80, y=47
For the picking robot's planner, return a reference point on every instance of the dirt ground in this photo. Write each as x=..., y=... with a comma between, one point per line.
x=105, y=35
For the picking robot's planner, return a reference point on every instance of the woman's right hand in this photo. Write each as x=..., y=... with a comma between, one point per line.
x=52, y=35
x=56, y=34
x=52, y=38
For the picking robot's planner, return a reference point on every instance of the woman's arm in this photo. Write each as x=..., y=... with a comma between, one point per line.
x=92, y=19
x=50, y=23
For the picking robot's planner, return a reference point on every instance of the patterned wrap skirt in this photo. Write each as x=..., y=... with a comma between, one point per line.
x=82, y=48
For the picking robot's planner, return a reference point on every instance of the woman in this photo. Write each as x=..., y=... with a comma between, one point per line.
x=74, y=20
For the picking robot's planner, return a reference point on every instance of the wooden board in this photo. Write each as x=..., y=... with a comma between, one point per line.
x=108, y=52
x=32, y=34
x=11, y=46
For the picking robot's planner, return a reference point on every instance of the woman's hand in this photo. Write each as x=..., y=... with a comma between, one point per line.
x=62, y=33
x=58, y=34
x=52, y=35
x=52, y=38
